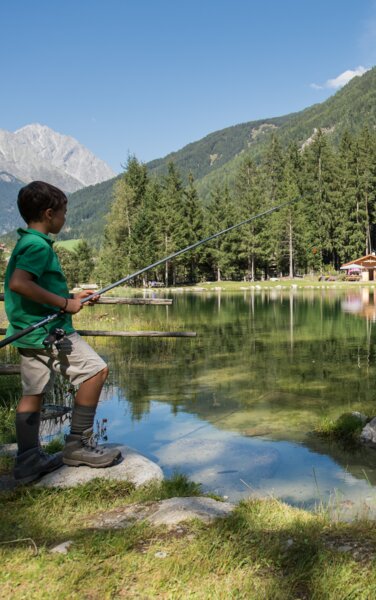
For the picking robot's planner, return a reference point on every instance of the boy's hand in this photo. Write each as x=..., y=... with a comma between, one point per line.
x=73, y=306
x=85, y=294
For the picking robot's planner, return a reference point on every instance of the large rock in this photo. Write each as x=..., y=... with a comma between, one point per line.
x=368, y=435
x=133, y=467
x=165, y=512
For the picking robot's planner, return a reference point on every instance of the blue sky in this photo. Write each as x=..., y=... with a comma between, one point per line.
x=148, y=77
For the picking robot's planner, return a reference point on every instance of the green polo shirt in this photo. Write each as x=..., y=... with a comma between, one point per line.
x=34, y=253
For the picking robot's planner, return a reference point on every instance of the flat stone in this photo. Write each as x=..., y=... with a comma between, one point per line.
x=62, y=548
x=176, y=510
x=165, y=512
x=133, y=467
x=8, y=450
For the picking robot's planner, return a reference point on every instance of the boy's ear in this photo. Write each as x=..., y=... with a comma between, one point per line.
x=48, y=213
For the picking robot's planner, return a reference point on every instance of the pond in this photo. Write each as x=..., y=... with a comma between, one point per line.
x=234, y=408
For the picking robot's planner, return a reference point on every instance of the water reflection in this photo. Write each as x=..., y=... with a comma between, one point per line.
x=362, y=303
x=234, y=407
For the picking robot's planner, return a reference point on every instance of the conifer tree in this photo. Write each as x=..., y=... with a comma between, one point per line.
x=168, y=217
x=248, y=200
x=367, y=182
x=147, y=249
x=83, y=255
x=219, y=252
x=117, y=253
x=189, y=229
x=272, y=184
x=68, y=263
x=288, y=225
x=322, y=202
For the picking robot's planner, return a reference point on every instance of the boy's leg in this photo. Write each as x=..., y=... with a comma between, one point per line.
x=86, y=402
x=27, y=422
x=31, y=461
x=85, y=368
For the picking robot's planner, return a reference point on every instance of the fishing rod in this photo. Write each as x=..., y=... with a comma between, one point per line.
x=111, y=286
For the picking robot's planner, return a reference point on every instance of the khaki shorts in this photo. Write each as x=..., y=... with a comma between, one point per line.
x=74, y=359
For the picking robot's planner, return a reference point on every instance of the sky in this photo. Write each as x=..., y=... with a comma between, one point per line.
x=147, y=77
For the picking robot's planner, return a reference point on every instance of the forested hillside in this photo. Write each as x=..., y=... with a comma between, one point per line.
x=214, y=160
x=333, y=221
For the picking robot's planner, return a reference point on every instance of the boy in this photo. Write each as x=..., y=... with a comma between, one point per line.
x=35, y=286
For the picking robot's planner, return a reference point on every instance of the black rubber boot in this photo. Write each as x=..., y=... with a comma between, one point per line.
x=34, y=463
x=81, y=449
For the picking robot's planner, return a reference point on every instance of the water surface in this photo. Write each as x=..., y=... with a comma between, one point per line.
x=235, y=407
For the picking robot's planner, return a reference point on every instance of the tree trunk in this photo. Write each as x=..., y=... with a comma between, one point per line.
x=291, y=251
x=166, y=265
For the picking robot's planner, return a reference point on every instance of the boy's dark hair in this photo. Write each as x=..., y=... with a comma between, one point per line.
x=36, y=197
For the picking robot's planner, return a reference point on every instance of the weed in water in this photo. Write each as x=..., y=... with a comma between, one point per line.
x=345, y=429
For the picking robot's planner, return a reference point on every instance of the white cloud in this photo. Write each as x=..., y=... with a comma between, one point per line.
x=341, y=80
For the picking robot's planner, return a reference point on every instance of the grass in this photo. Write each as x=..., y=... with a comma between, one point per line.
x=7, y=420
x=68, y=244
x=265, y=549
x=346, y=429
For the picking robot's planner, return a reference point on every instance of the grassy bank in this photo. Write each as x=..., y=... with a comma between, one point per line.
x=265, y=549
x=241, y=286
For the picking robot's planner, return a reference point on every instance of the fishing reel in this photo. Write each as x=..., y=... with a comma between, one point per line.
x=54, y=338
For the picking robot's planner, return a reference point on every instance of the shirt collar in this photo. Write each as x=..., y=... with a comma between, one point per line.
x=21, y=231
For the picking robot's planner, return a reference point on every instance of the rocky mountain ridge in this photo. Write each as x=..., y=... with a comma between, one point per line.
x=37, y=152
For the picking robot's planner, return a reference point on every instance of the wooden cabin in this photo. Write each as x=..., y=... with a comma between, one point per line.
x=367, y=264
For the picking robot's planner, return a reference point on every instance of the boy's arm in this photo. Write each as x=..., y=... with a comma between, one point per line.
x=23, y=283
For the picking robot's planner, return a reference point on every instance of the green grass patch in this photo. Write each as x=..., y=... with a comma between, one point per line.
x=264, y=550
x=7, y=420
x=346, y=428
x=68, y=244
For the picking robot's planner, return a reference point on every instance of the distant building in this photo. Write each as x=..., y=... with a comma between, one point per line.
x=365, y=265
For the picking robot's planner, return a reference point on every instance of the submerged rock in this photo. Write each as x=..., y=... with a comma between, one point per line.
x=133, y=467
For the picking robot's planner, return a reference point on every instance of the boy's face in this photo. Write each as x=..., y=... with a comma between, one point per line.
x=57, y=218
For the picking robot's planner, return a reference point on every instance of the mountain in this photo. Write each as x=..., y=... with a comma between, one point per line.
x=38, y=152
x=351, y=108
x=214, y=159
x=216, y=149
x=10, y=218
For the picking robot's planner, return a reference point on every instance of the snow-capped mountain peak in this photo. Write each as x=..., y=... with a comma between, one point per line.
x=38, y=152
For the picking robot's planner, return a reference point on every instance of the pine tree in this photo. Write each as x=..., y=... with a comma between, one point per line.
x=288, y=225
x=118, y=251
x=83, y=255
x=68, y=264
x=168, y=217
x=248, y=201
x=367, y=183
x=220, y=253
x=189, y=230
x=146, y=247
x=272, y=185
x=322, y=202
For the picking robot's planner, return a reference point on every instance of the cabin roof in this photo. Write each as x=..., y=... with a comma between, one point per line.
x=367, y=262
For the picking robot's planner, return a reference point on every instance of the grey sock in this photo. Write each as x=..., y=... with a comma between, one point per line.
x=82, y=418
x=27, y=430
